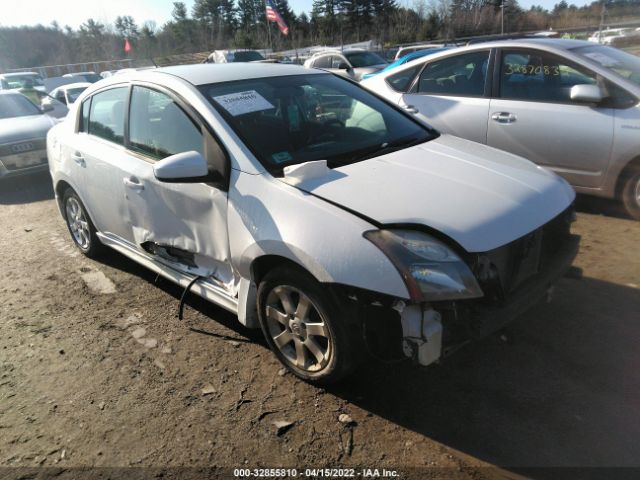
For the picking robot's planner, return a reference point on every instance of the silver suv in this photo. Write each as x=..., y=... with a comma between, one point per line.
x=569, y=105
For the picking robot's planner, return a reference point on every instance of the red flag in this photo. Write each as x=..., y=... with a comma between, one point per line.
x=127, y=46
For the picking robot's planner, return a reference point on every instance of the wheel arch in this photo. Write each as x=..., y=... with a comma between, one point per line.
x=262, y=265
x=632, y=164
x=60, y=187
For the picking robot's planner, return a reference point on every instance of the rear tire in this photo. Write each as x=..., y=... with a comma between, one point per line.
x=631, y=192
x=80, y=226
x=304, y=326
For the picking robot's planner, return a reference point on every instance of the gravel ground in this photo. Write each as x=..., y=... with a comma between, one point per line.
x=97, y=371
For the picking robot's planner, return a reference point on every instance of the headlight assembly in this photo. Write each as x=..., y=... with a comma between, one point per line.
x=430, y=269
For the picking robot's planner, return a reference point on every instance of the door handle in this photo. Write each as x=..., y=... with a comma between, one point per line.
x=78, y=158
x=133, y=183
x=411, y=109
x=503, y=117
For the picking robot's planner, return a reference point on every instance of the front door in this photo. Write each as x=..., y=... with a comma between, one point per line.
x=450, y=95
x=183, y=224
x=534, y=116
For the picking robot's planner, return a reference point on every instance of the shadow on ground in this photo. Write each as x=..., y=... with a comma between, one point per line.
x=26, y=189
x=564, y=391
x=601, y=206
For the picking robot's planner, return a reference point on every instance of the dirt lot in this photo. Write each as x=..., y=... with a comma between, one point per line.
x=96, y=371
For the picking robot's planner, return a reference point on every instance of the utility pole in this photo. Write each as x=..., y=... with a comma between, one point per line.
x=502, y=17
x=601, y=22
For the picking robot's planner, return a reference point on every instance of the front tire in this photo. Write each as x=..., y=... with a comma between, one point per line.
x=302, y=324
x=631, y=193
x=80, y=225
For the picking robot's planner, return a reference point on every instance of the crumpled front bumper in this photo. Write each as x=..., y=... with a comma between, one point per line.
x=431, y=331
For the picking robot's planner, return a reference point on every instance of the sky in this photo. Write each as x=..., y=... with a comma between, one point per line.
x=75, y=12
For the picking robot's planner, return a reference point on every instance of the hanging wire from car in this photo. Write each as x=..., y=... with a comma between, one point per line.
x=184, y=295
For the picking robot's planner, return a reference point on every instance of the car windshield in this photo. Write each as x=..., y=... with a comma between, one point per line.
x=622, y=63
x=16, y=106
x=301, y=118
x=249, y=56
x=17, y=81
x=364, y=59
x=74, y=93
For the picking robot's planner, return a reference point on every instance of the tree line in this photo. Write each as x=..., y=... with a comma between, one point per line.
x=216, y=24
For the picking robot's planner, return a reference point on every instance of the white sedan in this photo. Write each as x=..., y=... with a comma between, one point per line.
x=310, y=208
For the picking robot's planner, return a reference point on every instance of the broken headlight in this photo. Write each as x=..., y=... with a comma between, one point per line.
x=430, y=269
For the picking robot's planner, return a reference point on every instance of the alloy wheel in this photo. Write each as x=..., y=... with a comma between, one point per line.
x=298, y=329
x=78, y=223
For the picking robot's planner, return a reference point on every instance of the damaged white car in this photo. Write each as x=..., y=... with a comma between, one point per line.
x=311, y=208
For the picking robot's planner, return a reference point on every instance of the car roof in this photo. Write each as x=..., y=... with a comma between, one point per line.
x=18, y=74
x=561, y=43
x=204, y=73
x=73, y=85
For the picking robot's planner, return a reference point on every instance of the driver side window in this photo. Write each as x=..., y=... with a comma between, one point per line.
x=323, y=62
x=539, y=76
x=158, y=127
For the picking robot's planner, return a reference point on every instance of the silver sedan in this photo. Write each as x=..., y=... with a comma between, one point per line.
x=23, y=132
x=568, y=105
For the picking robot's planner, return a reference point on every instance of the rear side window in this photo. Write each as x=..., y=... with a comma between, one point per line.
x=539, y=76
x=106, y=114
x=401, y=81
x=463, y=75
x=158, y=127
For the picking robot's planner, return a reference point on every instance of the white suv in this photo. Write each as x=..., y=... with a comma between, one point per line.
x=311, y=208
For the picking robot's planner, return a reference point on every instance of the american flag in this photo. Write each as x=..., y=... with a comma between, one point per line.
x=274, y=16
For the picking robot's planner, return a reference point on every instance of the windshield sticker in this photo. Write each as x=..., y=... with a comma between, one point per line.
x=243, y=102
x=281, y=157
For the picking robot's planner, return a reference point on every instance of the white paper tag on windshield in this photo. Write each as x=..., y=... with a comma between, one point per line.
x=243, y=102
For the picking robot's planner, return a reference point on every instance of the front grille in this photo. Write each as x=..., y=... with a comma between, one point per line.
x=501, y=271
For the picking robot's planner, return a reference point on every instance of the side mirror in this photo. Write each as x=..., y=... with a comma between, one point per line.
x=47, y=107
x=343, y=66
x=586, y=93
x=185, y=167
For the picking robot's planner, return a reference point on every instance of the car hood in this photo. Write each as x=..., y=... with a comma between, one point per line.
x=480, y=197
x=24, y=128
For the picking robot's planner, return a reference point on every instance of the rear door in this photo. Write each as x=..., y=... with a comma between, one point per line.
x=451, y=95
x=534, y=116
x=98, y=155
x=184, y=224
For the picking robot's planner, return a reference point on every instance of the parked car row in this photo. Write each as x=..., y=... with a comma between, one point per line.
x=332, y=214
